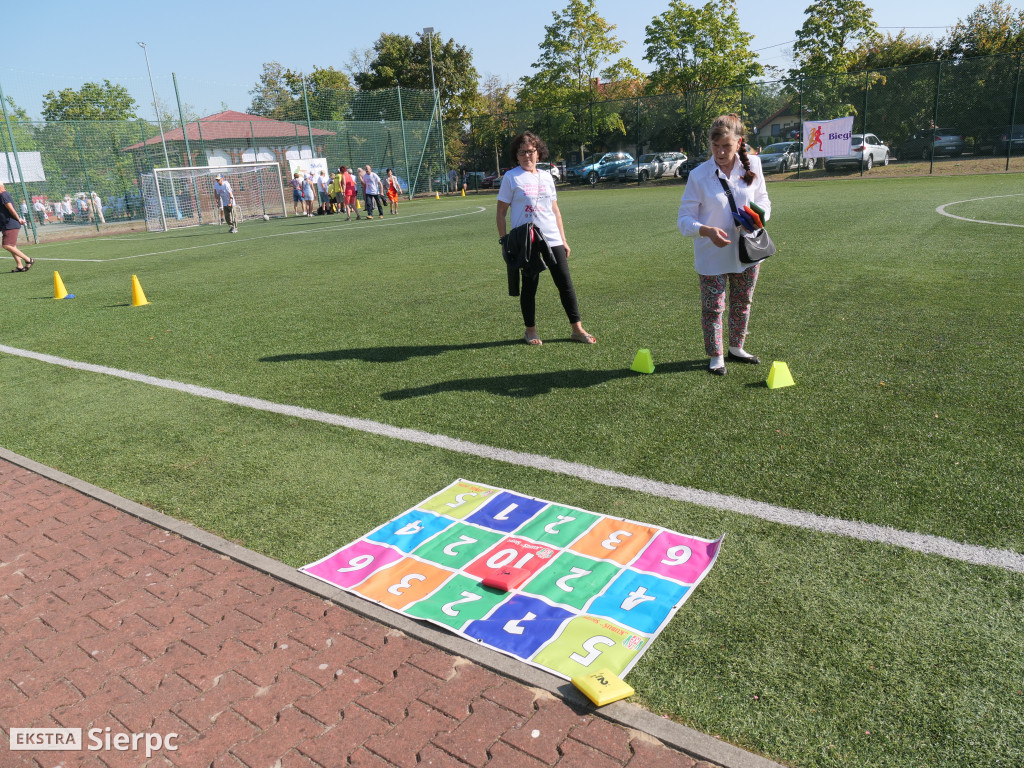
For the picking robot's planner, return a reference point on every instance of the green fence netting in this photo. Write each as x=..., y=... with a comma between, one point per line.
x=60, y=164
x=980, y=99
x=85, y=174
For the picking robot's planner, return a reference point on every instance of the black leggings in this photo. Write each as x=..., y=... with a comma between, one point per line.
x=559, y=268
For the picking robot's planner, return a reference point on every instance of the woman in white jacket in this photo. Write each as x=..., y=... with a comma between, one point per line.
x=706, y=216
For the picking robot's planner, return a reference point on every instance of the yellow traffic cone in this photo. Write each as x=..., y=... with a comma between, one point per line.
x=59, y=291
x=138, y=297
x=643, y=362
x=463, y=193
x=437, y=195
x=358, y=204
x=779, y=376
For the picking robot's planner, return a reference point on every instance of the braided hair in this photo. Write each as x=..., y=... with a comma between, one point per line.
x=732, y=125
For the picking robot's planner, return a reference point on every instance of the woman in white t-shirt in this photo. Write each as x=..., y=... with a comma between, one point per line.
x=530, y=195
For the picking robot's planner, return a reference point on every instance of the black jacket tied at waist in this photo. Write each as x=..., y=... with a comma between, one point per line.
x=525, y=250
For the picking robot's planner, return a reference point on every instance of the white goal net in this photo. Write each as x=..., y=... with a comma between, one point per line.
x=184, y=197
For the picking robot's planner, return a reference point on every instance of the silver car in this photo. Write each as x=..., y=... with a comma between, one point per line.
x=783, y=157
x=866, y=151
x=653, y=165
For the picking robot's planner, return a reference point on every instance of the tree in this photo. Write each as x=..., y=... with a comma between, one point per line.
x=169, y=117
x=23, y=135
x=982, y=81
x=390, y=62
x=399, y=60
x=271, y=95
x=828, y=41
x=702, y=54
x=93, y=101
x=489, y=133
x=699, y=48
x=990, y=29
x=901, y=77
x=898, y=50
x=279, y=93
x=826, y=47
x=576, y=51
x=327, y=90
x=761, y=100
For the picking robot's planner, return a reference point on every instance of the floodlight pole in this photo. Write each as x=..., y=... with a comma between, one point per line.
x=429, y=31
x=156, y=109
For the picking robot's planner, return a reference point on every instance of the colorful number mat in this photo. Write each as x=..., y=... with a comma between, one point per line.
x=593, y=591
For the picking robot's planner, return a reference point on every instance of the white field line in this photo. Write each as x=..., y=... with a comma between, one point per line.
x=232, y=241
x=942, y=210
x=919, y=542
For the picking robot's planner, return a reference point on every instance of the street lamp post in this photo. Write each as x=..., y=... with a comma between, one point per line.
x=429, y=31
x=156, y=109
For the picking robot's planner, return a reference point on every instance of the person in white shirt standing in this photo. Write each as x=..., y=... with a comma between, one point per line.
x=706, y=216
x=321, y=187
x=529, y=193
x=372, y=189
x=225, y=201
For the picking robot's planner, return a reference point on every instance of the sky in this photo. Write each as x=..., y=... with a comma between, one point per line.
x=217, y=50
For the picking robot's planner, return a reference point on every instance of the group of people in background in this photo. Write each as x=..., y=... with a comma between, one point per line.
x=81, y=209
x=339, y=193
x=458, y=179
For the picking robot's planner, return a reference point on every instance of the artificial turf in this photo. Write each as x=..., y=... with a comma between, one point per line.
x=899, y=326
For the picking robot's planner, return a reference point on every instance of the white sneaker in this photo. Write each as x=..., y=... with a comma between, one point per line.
x=234, y=231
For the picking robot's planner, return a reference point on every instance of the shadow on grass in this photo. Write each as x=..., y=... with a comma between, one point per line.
x=386, y=354
x=533, y=384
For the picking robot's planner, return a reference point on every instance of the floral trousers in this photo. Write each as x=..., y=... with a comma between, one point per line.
x=712, y=301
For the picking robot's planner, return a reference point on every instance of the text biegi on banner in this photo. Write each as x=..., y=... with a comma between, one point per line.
x=827, y=138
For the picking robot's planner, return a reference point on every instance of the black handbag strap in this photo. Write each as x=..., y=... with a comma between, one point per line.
x=728, y=192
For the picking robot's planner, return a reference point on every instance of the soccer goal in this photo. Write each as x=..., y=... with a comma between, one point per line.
x=184, y=197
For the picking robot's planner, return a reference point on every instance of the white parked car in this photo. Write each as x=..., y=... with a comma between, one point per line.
x=866, y=151
x=552, y=169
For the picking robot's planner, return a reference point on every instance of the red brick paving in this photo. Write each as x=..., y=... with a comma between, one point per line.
x=107, y=621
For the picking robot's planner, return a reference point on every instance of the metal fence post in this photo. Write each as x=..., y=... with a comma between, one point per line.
x=405, y=147
x=800, y=128
x=202, y=142
x=935, y=118
x=639, y=180
x=188, y=150
x=864, y=119
x=423, y=152
x=309, y=125
x=181, y=119
x=1013, y=113
x=17, y=163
